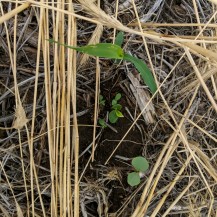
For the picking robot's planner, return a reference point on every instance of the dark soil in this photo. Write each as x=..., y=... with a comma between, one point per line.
x=101, y=183
x=108, y=141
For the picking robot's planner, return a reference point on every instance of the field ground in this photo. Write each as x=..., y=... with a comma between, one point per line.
x=55, y=157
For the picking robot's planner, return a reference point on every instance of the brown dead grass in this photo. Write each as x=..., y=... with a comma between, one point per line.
x=40, y=167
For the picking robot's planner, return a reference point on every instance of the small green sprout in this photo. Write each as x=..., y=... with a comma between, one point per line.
x=115, y=113
x=101, y=100
x=102, y=123
x=140, y=165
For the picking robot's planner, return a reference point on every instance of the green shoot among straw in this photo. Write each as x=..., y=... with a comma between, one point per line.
x=114, y=51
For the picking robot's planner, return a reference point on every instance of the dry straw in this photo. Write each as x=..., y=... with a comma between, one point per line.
x=65, y=186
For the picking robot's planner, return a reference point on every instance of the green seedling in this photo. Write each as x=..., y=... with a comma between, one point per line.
x=102, y=123
x=115, y=113
x=140, y=165
x=102, y=104
x=114, y=51
x=101, y=100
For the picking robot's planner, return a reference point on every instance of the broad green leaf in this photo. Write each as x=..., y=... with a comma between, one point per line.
x=119, y=39
x=144, y=71
x=118, y=96
x=102, y=123
x=113, y=117
x=119, y=114
x=133, y=179
x=140, y=164
x=106, y=50
x=117, y=107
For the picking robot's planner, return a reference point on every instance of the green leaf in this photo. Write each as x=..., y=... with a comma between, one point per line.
x=106, y=50
x=133, y=179
x=101, y=100
x=117, y=107
x=102, y=123
x=119, y=114
x=140, y=164
x=144, y=71
x=101, y=97
x=119, y=39
x=114, y=102
x=102, y=103
x=118, y=96
x=113, y=117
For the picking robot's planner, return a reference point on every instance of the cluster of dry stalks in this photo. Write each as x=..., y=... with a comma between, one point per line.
x=40, y=169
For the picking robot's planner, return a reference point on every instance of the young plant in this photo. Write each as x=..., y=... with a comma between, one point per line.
x=102, y=123
x=140, y=165
x=101, y=101
x=101, y=105
x=114, y=51
x=115, y=113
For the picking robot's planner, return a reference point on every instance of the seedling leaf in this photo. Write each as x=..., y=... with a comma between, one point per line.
x=117, y=107
x=114, y=102
x=102, y=123
x=119, y=114
x=101, y=100
x=133, y=179
x=144, y=71
x=101, y=97
x=119, y=39
x=113, y=117
x=140, y=164
x=118, y=96
x=106, y=50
